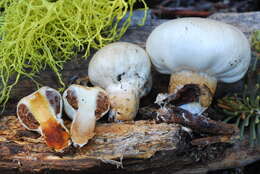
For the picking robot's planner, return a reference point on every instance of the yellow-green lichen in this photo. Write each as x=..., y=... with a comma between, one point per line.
x=6, y=3
x=40, y=33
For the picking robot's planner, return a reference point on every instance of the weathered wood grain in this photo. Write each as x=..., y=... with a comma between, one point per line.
x=139, y=147
x=112, y=144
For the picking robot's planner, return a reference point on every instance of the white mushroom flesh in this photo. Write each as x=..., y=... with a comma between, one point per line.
x=84, y=105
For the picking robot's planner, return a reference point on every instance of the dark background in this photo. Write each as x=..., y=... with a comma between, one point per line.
x=169, y=9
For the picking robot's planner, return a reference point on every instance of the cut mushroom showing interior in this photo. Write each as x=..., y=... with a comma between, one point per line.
x=84, y=105
x=41, y=111
x=123, y=70
x=197, y=51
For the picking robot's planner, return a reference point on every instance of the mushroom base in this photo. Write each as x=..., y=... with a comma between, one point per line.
x=124, y=104
x=82, y=130
x=206, y=84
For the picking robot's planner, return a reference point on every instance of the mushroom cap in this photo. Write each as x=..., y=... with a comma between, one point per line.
x=85, y=99
x=201, y=45
x=121, y=63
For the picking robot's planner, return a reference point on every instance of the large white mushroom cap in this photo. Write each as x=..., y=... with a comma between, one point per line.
x=199, y=51
x=123, y=69
x=202, y=45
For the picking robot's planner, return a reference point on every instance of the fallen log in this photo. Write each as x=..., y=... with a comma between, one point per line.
x=140, y=147
x=113, y=144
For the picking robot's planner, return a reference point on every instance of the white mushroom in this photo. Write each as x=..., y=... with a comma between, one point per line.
x=41, y=111
x=84, y=105
x=199, y=51
x=123, y=70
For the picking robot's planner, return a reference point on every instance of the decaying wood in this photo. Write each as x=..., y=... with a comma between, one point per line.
x=167, y=110
x=246, y=22
x=180, y=12
x=197, y=123
x=113, y=142
x=213, y=139
x=139, y=147
x=224, y=133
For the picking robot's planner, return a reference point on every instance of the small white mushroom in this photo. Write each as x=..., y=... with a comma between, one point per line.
x=84, y=105
x=41, y=111
x=123, y=70
x=199, y=51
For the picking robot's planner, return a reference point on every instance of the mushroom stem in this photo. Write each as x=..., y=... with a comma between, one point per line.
x=206, y=84
x=124, y=103
x=83, y=129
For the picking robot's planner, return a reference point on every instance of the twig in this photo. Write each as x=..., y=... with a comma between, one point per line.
x=197, y=123
x=180, y=12
x=212, y=140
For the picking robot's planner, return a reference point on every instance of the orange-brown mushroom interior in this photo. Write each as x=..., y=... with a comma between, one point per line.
x=54, y=133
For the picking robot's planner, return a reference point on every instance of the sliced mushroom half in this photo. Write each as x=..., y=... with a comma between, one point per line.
x=41, y=111
x=84, y=105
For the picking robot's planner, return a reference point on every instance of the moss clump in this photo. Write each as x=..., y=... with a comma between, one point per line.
x=41, y=33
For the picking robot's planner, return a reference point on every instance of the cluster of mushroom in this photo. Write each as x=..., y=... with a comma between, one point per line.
x=194, y=51
x=125, y=79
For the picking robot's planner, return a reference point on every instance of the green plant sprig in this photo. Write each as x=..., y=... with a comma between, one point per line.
x=245, y=112
x=255, y=42
x=38, y=34
x=244, y=109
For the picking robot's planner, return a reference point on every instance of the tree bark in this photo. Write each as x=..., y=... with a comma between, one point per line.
x=139, y=147
x=113, y=144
